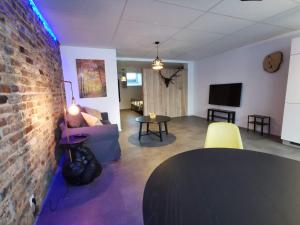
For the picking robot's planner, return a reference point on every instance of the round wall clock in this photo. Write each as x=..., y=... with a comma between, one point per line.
x=272, y=62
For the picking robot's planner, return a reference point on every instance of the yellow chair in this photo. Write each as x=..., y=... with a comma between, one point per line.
x=223, y=135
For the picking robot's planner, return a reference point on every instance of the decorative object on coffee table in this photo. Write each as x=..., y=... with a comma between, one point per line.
x=157, y=120
x=152, y=115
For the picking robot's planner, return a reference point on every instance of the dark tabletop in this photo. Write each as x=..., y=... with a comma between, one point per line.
x=223, y=187
x=158, y=119
x=74, y=139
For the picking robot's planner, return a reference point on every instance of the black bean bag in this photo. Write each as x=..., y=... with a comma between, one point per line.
x=83, y=168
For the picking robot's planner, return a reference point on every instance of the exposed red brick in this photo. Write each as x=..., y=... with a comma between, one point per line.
x=2, y=68
x=24, y=81
x=24, y=72
x=13, y=139
x=15, y=62
x=8, y=50
x=6, y=131
x=2, y=122
x=28, y=129
x=29, y=105
x=4, y=88
x=14, y=36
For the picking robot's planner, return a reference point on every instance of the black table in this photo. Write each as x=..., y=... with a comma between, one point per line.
x=223, y=187
x=158, y=120
x=261, y=121
x=74, y=139
x=73, y=142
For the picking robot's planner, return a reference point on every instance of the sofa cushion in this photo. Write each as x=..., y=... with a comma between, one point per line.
x=91, y=120
x=93, y=112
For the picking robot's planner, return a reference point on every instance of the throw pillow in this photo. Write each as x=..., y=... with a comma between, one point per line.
x=93, y=112
x=91, y=120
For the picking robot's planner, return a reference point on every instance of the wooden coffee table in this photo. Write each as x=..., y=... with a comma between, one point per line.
x=158, y=120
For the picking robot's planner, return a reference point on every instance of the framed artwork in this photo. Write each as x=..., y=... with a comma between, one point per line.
x=91, y=78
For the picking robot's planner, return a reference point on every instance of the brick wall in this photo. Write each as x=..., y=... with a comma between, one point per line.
x=30, y=105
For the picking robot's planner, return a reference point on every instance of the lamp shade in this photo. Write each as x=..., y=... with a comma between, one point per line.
x=73, y=109
x=123, y=78
x=157, y=64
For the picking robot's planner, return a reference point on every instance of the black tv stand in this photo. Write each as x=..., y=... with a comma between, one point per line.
x=220, y=114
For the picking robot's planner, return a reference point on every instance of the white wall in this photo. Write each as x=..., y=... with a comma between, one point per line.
x=263, y=93
x=108, y=104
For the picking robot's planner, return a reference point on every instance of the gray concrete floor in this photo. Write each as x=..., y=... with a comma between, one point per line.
x=189, y=133
x=115, y=198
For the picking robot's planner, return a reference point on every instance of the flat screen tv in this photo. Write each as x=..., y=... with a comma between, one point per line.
x=225, y=94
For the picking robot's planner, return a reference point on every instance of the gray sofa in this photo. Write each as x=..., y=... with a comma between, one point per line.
x=103, y=140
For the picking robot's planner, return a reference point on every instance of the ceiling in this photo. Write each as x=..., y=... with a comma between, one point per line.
x=187, y=29
x=139, y=65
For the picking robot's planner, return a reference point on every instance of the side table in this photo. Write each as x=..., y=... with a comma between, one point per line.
x=261, y=121
x=73, y=143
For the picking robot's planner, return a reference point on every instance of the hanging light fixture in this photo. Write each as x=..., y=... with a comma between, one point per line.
x=157, y=63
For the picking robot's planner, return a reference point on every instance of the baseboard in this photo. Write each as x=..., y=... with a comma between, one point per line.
x=290, y=143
